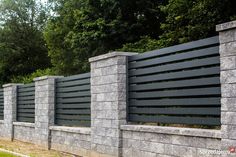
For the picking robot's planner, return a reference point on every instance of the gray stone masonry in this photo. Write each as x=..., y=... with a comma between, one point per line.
x=24, y=131
x=227, y=36
x=159, y=141
x=1, y=128
x=75, y=140
x=10, y=95
x=44, y=109
x=108, y=102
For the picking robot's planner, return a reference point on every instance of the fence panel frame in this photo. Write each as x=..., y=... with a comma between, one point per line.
x=152, y=81
x=73, y=91
x=25, y=109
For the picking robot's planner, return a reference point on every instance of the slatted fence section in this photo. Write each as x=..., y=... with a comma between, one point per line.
x=1, y=104
x=73, y=100
x=176, y=85
x=26, y=103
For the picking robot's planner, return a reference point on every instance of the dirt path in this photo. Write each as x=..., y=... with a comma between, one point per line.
x=31, y=149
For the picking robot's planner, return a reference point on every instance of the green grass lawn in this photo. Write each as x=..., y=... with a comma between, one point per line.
x=3, y=154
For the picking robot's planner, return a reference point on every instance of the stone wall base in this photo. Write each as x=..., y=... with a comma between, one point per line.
x=23, y=132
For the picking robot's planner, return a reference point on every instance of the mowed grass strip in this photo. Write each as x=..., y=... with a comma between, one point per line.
x=4, y=154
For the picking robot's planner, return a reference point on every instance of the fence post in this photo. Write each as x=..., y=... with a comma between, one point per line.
x=108, y=102
x=227, y=37
x=10, y=102
x=44, y=109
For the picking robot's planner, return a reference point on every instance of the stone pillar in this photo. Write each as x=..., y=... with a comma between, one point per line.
x=44, y=109
x=10, y=102
x=227, y=37
x=108, y=102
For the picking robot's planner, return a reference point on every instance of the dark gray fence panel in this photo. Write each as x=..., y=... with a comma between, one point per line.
x=1, y=104
x=176, y=85
x=73, y=100
x=26, y=103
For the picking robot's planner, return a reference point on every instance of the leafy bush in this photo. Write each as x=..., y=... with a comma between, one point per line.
x=29, y=78
x=143, y=45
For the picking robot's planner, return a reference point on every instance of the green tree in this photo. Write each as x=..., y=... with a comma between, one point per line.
x=22, y=46
x=84, y=28
x=188, y=20
x=145, y=44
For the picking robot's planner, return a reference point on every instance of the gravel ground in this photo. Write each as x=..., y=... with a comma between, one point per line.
x=31, y=149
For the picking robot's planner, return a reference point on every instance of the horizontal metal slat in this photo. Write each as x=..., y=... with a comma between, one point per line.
x=177, y=93
x=26, y=110
x=23, y=94
x=22, y=90
x=25, y=119
x=25, y=106
x=73, y=123
x=74, y=77
x=25, y=115
x=26, y=101
x=176, y=75
x=26, y=86
x=175, y=84
x=73, y=94
x=176, y=66
x=73, y=89
x=73, y=83
x=177, y=48
x=73, y=111
x=175, y=119
x=73, y=117
x=176, y=57
x=72, y=106
x=73, y=100
x=19, y=105
x=177, y=111
x=177, y=102
x=21, y=98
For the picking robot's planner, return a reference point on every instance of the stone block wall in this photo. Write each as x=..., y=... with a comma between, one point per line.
x=44, y=108
x=72, y=140
x=24, y=131
x=1, y=127
x=108, y=102
x=227, y=37
x=9, y=94
x=154, y=141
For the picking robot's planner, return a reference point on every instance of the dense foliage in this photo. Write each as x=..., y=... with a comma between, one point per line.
x=188, y=20
x=85, y=28
x=22, y=46
x=30, y=77
x=79, y=29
